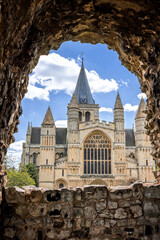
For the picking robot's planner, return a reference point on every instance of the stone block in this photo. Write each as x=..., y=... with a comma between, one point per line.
x=90, y=212
x=51, y=234
x=137, y=211
x=106, y=214
x=89, y=192
x=120, y=213
x=152, y=192
x=9, y=232
x=101, y=205
x=35, y=195
x=38, y=210
x=66, y=211
x=151, y=209
x=138, y=191
x=124, y=204
x=98, y=222
x=112, y=205
x=15, y=195
x=52, y=196
x=77, y=212
x=121, y=223
x=66, y=195
x=116, y=194
x=100, y=193
x=22, y=210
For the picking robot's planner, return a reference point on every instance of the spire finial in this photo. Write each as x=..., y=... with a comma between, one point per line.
x=82, y=57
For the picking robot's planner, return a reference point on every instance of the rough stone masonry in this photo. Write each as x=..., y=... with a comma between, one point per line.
x=95, y=213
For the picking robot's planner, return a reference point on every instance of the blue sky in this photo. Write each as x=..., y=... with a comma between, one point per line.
x=53, y=80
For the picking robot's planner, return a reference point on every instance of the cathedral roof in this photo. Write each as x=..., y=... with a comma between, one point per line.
x=118, y=103
x=61, y=134
x=48, y=119
x=130, y=138
x=82, y=91
x=141, y=108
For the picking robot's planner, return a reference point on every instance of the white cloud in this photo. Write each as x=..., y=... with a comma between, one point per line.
x=129, y=108
x=104, y=109
x=142, y=95
x=61, y=123
x=57, y=73
x=14, y=152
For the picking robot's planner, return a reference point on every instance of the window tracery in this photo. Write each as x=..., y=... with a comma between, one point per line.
x=97, y=154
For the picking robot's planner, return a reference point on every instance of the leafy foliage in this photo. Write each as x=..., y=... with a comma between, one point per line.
x=33, y=172
x=19, y=178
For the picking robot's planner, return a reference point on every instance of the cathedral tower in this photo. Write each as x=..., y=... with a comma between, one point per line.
x=47, y=151
x=119, y=143
x=143, y=146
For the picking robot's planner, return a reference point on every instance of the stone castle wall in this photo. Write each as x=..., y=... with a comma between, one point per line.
x=95, y=212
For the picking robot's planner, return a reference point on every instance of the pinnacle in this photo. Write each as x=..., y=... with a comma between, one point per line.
x=141, y=108
x=118, y=103
x=48, y=119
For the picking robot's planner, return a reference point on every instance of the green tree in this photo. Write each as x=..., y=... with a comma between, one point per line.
x=19, y=178
x=33, y=172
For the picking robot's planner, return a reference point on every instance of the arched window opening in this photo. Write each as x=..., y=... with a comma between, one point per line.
x=46, y=161
x=80, y=116
x=97, y=154
x=87, y=116
x=61, y=155
x=146, y=162
x=61, y=185
x=34, y=158
x=47, y=132
x=62, y=172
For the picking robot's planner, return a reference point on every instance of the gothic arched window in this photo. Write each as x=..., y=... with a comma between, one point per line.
x=97, y=154
x=34, y=158
x=80, y=116
x=87, y=116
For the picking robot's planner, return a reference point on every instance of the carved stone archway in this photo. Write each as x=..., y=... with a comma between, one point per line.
x=30, y=28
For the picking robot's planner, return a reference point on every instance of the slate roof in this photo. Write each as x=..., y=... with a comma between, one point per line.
x=82, y=90
x=130, y=138
x=61, y=135
x=35, y=135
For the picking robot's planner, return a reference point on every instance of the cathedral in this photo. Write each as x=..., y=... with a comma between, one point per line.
x=89, y=152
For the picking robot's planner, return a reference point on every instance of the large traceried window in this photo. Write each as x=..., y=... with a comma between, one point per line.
x=97, y=154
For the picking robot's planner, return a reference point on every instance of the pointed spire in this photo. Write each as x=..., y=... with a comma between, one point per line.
x=82, y=91
x=118, y=103
x=48, y=119
x=73, y=100
x=29, y=129
x=141, y=108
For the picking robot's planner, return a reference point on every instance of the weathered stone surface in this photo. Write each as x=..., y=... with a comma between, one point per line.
x=120, y=194
x=58, y=219
x=101, y=205
x=112, y=205
x=138, y=191
x=151, y=209
x=90, y=212
x=9, y=232
x=152, y=192
x=37, y=210
x=15, y=195
x=137, y=211
x=66, y=195
x=120, y=213
x=100, y=193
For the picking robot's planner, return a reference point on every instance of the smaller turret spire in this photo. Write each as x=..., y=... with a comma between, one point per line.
x=118, y=103
x=140, y=112
x=29, y=129
x=73, y=101
x=48, y=119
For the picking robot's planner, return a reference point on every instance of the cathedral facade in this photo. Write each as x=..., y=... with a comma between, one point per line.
x=89, y=151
